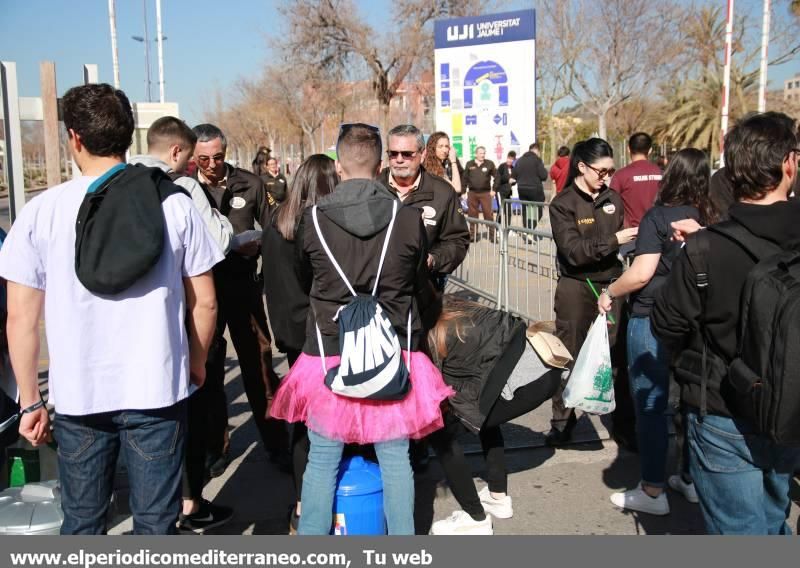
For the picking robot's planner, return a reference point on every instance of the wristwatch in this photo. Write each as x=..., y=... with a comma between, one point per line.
x=607, y=293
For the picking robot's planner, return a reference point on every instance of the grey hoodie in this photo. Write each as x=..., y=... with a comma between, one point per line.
x=219, y=226
x=362, y=207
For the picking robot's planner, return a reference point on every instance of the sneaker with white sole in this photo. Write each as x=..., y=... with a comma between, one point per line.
x=460, y=523
x=498, y=508
x=208, y=516
x=688, y=491
x=637, y=500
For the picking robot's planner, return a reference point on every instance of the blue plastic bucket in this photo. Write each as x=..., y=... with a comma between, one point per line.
x=358, y=504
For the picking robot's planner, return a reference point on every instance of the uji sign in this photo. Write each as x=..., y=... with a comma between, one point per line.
x=486, y=82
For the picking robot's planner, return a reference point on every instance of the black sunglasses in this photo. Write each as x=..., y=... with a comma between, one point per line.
x=407, y=154
x=603, y=173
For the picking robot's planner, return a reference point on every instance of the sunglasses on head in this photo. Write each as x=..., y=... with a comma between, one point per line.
x=407, y=154
x=346, y=127
x=602, y=173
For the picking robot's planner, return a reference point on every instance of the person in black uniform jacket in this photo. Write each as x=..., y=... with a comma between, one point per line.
x=480, y=183
x=442, y=216
x=274, y=181
x=240, y=196
x=506, y=179
x=587, y=220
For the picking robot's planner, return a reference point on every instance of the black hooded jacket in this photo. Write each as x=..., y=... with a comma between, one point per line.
x=480, y=361
x=354, y=219
x=676, y=314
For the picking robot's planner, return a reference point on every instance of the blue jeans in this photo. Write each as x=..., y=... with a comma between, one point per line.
x=648, y=369
x=742, y=478
x=319, y=485
x=152, y=443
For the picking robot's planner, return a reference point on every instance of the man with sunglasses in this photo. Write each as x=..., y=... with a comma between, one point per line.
x=442, y=216
x=240, y=196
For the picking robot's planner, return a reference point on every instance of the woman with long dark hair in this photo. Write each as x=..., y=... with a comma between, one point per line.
x=587, y=219
x=286, y=292
x=441, y=160
x=287, y=297
x=683, y=194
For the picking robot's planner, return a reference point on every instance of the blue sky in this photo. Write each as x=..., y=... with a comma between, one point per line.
x=210, y=43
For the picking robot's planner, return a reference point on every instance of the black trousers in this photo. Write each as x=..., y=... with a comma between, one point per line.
x=207, y=419
x=300, y=446
x=531, y=215
x=241, y=308
x=451, y=454
x=576, y=309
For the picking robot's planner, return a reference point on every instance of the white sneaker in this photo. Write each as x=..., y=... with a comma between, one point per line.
x=638, y=500
x=677, y=483
x=460, y=523
x=498, y=508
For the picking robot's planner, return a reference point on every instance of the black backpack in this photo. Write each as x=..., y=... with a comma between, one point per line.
x=371, y=365
x=765, y=373
x=119, y=231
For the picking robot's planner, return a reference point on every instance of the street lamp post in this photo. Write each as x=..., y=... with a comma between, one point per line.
x=160, y=39
x=726, y=83
x=146, y=41
x=762, y=80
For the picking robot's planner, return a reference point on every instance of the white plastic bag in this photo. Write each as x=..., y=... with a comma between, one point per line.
x=591, y=383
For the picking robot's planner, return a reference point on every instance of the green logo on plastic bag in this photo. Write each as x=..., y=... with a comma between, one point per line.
x=603, y=384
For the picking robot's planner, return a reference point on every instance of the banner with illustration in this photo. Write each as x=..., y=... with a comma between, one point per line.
x=486, y=82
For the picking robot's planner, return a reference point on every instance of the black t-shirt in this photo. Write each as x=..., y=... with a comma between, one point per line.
x=655, y=237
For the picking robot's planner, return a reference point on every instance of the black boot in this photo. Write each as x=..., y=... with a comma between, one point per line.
x=556, y=438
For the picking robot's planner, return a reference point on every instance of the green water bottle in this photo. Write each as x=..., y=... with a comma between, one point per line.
x=23, y=466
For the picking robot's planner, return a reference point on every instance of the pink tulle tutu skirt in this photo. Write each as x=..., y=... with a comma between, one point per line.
x=303, y=397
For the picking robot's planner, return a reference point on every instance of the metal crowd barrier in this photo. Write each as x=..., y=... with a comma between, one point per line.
x=530, y=273
x=482, y=269
x=525, y=214
x=510, y=265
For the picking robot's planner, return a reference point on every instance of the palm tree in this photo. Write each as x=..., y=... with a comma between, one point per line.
x=691, y=114
x=693, y=110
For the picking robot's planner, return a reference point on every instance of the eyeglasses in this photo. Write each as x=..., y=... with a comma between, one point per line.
x=207, y=159
x=407, y=154
x=603, y=173
x=346, y=127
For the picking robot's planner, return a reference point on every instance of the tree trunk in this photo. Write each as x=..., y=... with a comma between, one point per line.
x=302, y=147
x=551, y=132
x=601, y=124
x=309, y=133
x=386, y=110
